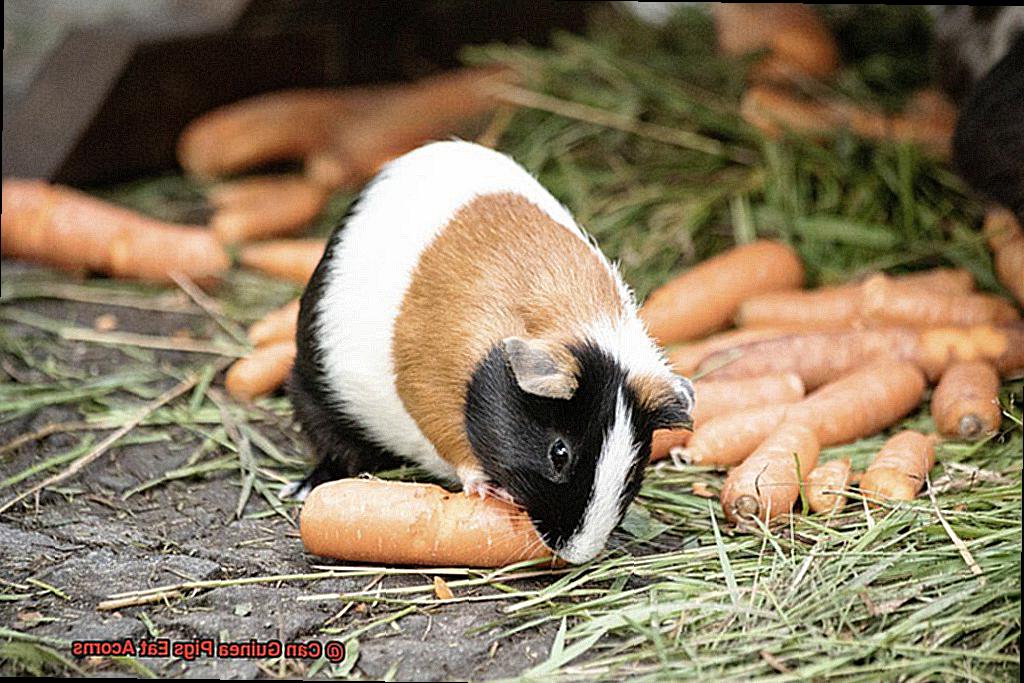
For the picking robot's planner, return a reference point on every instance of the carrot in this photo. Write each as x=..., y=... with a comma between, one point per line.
x=841, y=306
x=900, y=467
x=767, y=483
x=1002, y=346
x=774, y=110
x=825, y=308
x=61, y=227
x=820, y=357
x=798, y=41
x=262, y=371
x=859, y=404
x=886, y=303
x=275, y=326
x=1007, y=242
x=727, y=439
x=256, y=208
x=686, y=358
x=825, y=485
x=719, y=397
x=705, y=297
x=293, y=260
x=368, y=520
x=343, y=135
x=664, y=440
x=965, y=404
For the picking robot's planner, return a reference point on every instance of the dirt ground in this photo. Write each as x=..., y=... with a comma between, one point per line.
x=88, y=543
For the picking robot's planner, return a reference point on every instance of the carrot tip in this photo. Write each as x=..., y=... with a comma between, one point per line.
x=970, y=426
x=746, y=507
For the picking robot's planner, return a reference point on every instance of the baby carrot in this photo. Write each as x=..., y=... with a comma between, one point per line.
x=965, y=404
x=389, y=522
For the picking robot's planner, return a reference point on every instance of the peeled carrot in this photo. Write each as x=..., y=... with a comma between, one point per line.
x=841, y=306
x=278, y=325
x=705, y=297
x=774, y=110
x=728, y=439
x=820, y=357
x=61, y=227
x=797, y=40
x=859, y=404
x=767, y=483
x=825, y=308
x=719, y=397
x=256, y=208
x=344, y=135
x=262, y=371
x=965, y=404
x=825, y=485
x=293, y=260
x=686, y=358
x=1007, y=242
x=366, y=520
x=664, y=440
x=886, y=303
x=900, y=467
x=729, y=396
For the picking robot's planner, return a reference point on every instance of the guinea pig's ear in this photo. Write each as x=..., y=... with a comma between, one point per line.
x=669, y=401
x=541, y=368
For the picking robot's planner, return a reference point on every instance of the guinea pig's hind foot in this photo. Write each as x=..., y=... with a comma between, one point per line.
x=475, y=483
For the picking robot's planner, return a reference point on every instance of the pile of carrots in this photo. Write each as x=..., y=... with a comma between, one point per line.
x=866, y=351
x=800, y=57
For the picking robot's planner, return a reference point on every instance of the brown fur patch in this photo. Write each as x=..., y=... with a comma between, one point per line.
x=500, y=268
x=652, y=392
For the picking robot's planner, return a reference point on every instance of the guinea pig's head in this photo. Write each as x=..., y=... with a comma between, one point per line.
x=566, y=430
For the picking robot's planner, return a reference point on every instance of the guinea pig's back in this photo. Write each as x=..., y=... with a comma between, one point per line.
x=369, y=265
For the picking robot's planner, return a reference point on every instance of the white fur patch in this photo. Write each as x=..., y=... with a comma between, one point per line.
x=625, y=338
x=618, y=454
x=371, y=268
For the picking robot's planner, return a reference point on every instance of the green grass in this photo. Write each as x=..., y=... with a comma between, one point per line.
x=666, y=176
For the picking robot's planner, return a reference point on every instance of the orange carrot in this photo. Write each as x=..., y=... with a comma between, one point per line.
x=1007, y=242
x=262, y=371
x=774, y=110
x=886, y=303
x=841, y=306
x=965, y=404
x=900, y=467
x=345, y=135
x=824, y=308
x=275, y=326
x=797, y=40
x=859, y=404
x=293, y=260
x=256, y=208
x=664, y=440
x=1002, y=346
x=718, y=397
x=398, y=523
x=728, y=439
x=61, y=227
x=705, y=297
x=767, y=483
x=820, y=357
x=825, y=485
x=940, y=280
x=686, y=358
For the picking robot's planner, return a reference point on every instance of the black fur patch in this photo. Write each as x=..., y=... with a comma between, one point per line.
x=988, y=148
x=511, y=432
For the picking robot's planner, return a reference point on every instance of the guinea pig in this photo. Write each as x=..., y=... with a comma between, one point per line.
x=461, y=319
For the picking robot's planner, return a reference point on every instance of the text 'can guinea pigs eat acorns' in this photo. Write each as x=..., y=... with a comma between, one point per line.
x=461, y=319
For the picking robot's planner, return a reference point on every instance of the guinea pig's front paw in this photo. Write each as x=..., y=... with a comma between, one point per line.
x=475, y=483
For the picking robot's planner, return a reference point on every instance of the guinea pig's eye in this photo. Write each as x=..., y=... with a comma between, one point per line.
x=558, y=454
